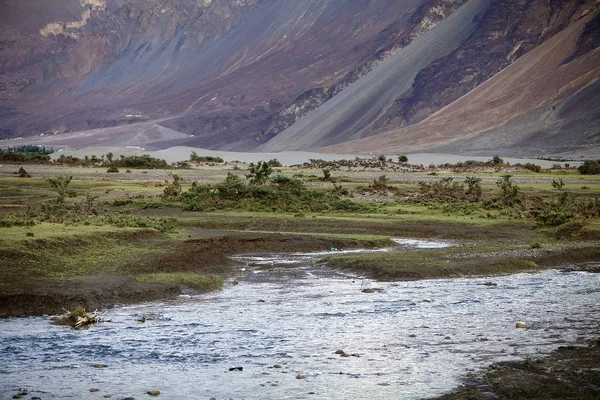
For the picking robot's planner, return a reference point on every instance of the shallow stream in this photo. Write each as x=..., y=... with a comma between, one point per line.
x=284, y=322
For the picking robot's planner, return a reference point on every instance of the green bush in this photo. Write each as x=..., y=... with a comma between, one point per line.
x=194, y=157
x=10, y=156
x=281, y=194
x=141, y=162
x=589, y=167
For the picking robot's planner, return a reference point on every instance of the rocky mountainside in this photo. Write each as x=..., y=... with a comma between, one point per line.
x=285, y=75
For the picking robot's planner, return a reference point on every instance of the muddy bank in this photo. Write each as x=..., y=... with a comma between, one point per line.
x=55, y=296
x=568, y=373
x=33, y=290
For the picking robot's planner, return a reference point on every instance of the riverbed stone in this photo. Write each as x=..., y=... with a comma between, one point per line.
x=153, y=392
x=300, y=376
x=521, y=324
x=99, y=365
x=93, y=390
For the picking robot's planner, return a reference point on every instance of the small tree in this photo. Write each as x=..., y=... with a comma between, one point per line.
x=258, y=174
x=473, y=192
x=194, y=157
x=558, y=184
x=109, y=157
x=59, y=185
x=274, y=163
x=509, y=192
x=402, y=159
x=497, y=160
x=326, y=174
x=173, y=189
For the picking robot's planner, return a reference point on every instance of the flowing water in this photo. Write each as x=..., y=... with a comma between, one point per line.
x=286, y=319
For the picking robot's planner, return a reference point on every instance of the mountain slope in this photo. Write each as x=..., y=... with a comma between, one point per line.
x=546, y=102
x=354, y=110
x=285, y=75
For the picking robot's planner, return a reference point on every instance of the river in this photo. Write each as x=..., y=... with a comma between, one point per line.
x=283, y=325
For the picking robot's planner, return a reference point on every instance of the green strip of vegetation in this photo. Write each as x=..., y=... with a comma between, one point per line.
x=202, y=283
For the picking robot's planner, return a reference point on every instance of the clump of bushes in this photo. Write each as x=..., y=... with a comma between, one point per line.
x=194, y=157
x=589, y=167
x=13, y=156
x=280, y=193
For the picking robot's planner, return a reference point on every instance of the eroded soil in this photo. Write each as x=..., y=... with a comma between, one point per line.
x=568, y=373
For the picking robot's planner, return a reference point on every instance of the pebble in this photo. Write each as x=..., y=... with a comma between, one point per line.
x=153, y=392
x=99, y=365
x=236, y=368
x=277, y=366
x=521, y=324
x=94, y=390
x=300, y=377
x=107, y=396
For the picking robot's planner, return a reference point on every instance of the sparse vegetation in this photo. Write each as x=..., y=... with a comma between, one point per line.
x=194, y=157
x=485, y=203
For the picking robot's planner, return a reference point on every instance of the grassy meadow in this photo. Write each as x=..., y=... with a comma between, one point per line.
x=76, y=221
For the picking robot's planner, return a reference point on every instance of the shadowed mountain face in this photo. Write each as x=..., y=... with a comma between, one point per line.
x=287, y=75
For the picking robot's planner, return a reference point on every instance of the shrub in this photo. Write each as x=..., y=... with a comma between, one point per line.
x=112, y=169
x=558, y=183
x=281, y=194
x=274, y=163
x=144, y=161
x=402, y=159
x=589, y=167
x=10, y=156
x=59, y=184
x=531, y=167
x=445, y=190
x=173, y=189
x=509, y=192
x=194, y=157
x=259, y=173
x=473, y=192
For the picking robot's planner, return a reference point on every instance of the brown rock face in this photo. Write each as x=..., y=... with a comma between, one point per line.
x=238, y=74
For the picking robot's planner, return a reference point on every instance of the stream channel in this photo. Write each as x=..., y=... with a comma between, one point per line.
x=283, y=324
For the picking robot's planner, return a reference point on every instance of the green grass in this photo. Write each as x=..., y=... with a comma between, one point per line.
x=429, y=263
x=200, y=282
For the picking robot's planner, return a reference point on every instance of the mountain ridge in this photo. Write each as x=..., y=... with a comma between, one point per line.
x=249, y=74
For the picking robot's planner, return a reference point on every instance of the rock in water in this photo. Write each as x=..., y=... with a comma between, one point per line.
x=153, y=392
x=521, y=324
